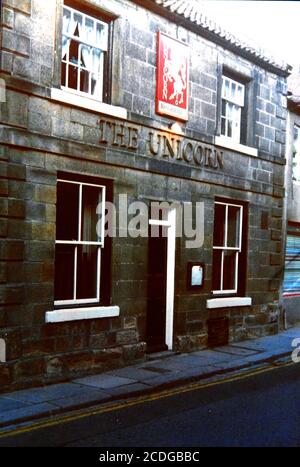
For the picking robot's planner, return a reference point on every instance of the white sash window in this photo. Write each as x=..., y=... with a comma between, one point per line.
x=233, y=100
x=79, y=243
x=84, y=46
x=227, y=247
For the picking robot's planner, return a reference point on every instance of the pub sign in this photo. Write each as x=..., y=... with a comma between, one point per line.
x=172, y=77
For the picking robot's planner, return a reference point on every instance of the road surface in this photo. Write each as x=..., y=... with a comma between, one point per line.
x=259, y=410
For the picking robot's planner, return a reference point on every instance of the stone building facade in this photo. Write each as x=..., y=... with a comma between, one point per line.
x=61, y=150
x=291, y=285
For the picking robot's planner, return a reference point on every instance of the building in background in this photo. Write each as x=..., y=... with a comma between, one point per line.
x=291, y=285
x=134, y=101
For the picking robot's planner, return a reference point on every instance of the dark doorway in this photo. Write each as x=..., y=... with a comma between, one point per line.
x=157, y=279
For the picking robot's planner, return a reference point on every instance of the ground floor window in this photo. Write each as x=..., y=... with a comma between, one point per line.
x=291, y=283
x=82, y=254
x=229, y=247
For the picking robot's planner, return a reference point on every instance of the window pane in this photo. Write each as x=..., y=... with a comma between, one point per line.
x=233, y=232
x=73, y=77
x=229, y=129
x=67, y=22
x=240, y=94
x=230, y=110
x=96, y=87
x=216, y=279
x=235, y=113
x=97, y=75
x=90, y=35
x=64, y=272
x=87, y=272
x=223, y=108
x=236, y=121
x=233, y=90
x=227, y=88
x=223, y=126
x=101, y=36
x=97, y=56
x=86, y=56
x=65, y=47
x=219, y=225
x=84, y=81
x=91, y=197
x=229, y=270
x=74, y=52
x=67, y=211
x=78, y=24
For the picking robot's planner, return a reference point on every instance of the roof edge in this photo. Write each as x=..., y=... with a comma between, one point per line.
x=218, y=35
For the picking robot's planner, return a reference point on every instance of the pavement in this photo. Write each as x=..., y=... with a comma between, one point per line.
x=158, y=372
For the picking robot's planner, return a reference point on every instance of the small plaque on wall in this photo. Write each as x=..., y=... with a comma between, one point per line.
x=195, y=276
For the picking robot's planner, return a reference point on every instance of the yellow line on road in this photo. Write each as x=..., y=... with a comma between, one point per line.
x=111, y=407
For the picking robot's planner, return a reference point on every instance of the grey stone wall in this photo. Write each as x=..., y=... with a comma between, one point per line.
x=291, y=304
x=40, y=137
x=28, y=30
x=29, y=36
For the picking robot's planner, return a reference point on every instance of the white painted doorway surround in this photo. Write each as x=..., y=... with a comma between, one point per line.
x=170, y=224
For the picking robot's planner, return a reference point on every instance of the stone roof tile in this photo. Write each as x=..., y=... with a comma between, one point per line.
x=192, y=10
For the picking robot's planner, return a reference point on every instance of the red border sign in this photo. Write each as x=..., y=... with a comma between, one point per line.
x=172, y=79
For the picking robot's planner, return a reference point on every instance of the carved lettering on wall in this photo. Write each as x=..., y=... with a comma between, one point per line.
x=164, y=145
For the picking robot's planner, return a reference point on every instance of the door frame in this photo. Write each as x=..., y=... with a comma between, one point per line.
x=170, y=224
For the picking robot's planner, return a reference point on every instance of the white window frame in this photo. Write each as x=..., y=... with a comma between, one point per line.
x=296, y=158
x=103, y=47
x=226, y=248
x=78, y=242
x=234, y=102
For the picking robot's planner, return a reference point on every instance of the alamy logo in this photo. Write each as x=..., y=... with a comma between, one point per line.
x=125, y=219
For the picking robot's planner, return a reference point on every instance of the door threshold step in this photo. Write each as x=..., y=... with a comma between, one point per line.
x=160, y=355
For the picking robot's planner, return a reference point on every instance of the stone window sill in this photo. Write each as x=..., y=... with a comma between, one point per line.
x=229, y=144
x=87, y=103
x=75, y=314
x=228, y=302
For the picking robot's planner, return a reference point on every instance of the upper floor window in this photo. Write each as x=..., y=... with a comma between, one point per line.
x=84, y=53
x=296, y=154
x=233, y=101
